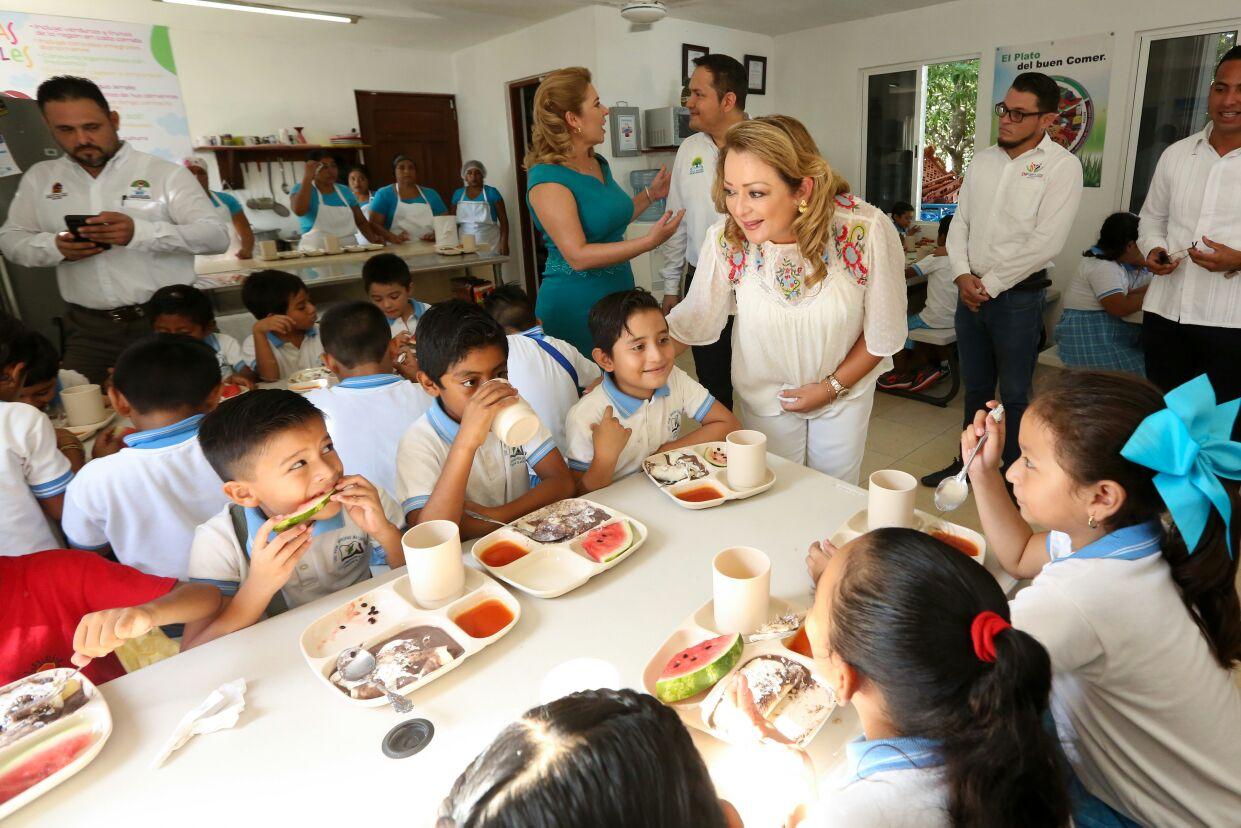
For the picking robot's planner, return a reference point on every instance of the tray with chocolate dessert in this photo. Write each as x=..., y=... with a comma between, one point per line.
x=696, y=477
x=52, y=724
x=413, y=645
x=560, y=547
x=695, y=669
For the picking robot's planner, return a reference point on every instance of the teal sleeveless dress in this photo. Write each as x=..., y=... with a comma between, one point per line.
x=567, y=295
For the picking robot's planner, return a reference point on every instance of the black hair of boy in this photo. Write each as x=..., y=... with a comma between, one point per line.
x=609, y=318
x=70, y=88
x=900, y=208
x=511, y=307
x=355, y=333
x=1042, y=87
x=386, y=269
x=240, y=427
x=10, y=330
x=944, y=224
x=38, y=354
x=598, y=757
x=181, y=300
x=448, y=331
x=166, y=372
x=268, y=292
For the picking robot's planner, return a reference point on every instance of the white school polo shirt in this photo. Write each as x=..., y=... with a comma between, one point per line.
x=228, y=353
x=890, y=783
x=941, y=292
x=654, y=422
x=339, y=556
x=31, y=469
x=366, y=418
x=1150, y=722
x=544, y=381
x=145, y=500
x=410, y=325
x=289, y=358
x=500, y=474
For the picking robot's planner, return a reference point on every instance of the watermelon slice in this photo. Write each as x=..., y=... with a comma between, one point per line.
x=716, y=456
x=604, y=543
x=696, y=668
x=44, y=759
x=307, y=512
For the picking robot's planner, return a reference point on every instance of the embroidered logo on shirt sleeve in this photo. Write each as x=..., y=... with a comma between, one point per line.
x=850, y=243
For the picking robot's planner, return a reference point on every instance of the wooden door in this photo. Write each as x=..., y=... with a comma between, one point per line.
x=421, y=126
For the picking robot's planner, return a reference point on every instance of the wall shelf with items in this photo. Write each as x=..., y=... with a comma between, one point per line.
x=231, y=158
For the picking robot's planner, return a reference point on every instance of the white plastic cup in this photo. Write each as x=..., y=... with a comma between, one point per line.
x=83, y=404
x=516, y=423
x=741, y=588
x=890, y=500
x=469, y=243
x=433, y=562
x=268, y=250
x=747, y=459
x=331, y=243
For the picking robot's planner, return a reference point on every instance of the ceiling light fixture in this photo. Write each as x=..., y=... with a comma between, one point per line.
x=259, y=8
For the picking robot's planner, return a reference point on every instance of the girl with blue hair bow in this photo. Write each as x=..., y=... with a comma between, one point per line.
x=1134, y=588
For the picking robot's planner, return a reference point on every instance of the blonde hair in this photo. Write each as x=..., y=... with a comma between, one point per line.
x=559, y=93
x=784, y=144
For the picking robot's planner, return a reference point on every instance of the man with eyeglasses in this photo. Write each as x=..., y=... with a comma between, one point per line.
x=1190, y=233
x=1014, y=211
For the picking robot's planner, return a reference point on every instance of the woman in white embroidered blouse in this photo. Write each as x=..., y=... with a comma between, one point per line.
x=817, y=276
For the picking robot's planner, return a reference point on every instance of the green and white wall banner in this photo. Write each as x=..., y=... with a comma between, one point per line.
x=132, y=63
x=1082, y=67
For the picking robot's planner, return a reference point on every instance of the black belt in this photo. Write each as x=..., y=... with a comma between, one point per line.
x=1035, y=281
x=125, y=313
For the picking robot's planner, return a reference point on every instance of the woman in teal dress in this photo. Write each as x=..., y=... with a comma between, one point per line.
x=580, y=209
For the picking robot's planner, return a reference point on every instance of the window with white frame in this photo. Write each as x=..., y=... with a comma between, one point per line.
x=1174, y=73
x=918, y=134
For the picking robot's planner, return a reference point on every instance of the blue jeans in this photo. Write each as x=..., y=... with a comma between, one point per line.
x=998, y=344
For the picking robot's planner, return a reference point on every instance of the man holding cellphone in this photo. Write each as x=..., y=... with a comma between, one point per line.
x=117, y=223
x=1190, y=233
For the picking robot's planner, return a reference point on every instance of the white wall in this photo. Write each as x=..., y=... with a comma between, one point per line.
x=641, y=68
x=820, y=79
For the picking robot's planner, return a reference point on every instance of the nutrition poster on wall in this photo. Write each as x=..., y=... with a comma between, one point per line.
x=1082, y=67
x=131, y=62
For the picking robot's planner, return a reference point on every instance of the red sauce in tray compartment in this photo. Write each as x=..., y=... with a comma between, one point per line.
x=502, y=553
x=800, y=643
x=701, y=494
x=957, y=542
x=485, y=619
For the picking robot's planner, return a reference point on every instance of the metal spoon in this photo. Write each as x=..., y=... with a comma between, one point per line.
x=358, y=664
x=952, y=491
x=477, y=516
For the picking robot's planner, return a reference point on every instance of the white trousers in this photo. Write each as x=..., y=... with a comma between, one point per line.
x=832, y=442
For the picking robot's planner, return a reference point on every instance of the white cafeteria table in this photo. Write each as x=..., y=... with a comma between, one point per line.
x=299, y=756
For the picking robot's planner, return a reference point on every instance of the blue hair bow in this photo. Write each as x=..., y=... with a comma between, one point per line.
x=1189, y=444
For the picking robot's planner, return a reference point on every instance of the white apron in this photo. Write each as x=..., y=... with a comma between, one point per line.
x=415, y=219
x=475, y=217
x=234, y=241
x=330, y=220
x=359, y=238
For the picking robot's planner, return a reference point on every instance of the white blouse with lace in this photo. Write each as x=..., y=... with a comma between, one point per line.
x=785, y=335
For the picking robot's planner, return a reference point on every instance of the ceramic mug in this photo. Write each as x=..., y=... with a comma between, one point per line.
x=83, y=404
x=741, y=589
x=890, y=499
x=433, y=561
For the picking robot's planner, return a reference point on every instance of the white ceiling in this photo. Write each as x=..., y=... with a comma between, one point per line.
x=454, y=24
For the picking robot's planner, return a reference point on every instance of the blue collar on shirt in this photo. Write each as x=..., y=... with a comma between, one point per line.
x=369, y=381
x=624, y=404
x=1129, y=543
x=169, y=435
x=445, y=426
x=278, y=343
x=534, y=333
x=870, y=756
x=419, y=309
x=255, y=518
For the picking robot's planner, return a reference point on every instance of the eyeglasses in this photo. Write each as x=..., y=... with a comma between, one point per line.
x=1016, y=115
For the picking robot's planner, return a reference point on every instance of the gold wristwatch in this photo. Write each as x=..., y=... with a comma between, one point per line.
x=841, y=391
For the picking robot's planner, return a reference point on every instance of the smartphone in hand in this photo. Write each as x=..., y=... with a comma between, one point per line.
x=75, y=224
